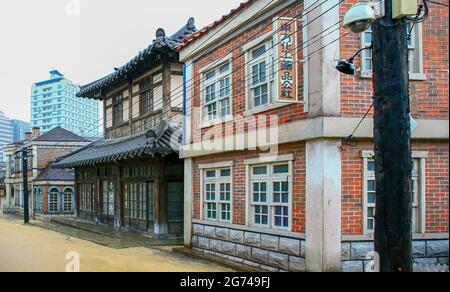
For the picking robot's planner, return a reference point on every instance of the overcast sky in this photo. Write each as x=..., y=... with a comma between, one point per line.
x=37, y=36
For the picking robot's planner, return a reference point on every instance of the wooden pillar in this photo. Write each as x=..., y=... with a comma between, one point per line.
x=76, y=197
x=167, y=96
x=97, y=197
x=161, y=202
x=392, y=136
x=130, y=106
x=118, y=222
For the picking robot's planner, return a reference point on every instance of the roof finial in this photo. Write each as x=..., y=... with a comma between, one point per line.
x=160, y=33
x=191, y=22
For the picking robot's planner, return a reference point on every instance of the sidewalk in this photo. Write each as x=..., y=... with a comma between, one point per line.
x=104, y=235
x=29, y=248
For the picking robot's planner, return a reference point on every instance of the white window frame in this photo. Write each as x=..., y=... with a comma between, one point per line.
x=216, y=181
x=68, y=203
x=269, y=178
x=57, y=192
x=419, y=176
x=204, y=84
x=416, y=46
x=268, y=57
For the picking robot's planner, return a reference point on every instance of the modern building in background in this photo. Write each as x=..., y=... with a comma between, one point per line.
x=6, y=134
x=53, y=104
x=19, y=129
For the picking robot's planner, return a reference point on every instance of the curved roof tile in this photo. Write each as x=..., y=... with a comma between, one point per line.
x=162, y=44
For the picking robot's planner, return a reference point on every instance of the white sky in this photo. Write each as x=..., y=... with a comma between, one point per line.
x=37, y=36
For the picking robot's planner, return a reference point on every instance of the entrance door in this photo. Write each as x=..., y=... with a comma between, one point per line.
x=175, y=196
x=108, y=202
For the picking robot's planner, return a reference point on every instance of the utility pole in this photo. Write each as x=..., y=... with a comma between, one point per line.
x=393, y=239
x=26, y=203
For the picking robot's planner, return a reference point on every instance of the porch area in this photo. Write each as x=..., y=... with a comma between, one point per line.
x=107, y=235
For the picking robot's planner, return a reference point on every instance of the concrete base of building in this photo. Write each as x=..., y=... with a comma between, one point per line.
x=428, y=252
x=278, y=253
x=268, y=252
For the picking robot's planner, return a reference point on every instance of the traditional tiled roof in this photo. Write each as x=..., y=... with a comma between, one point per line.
x=141, y=63
x=163, y=140
x=213, y=25
x=52, y=174
x=59, y=134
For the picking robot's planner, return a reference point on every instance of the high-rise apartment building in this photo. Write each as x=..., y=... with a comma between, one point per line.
x=19, y=129
x=53, y=104
x=6, y=133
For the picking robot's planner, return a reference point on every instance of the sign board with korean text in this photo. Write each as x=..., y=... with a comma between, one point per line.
x=286, y=60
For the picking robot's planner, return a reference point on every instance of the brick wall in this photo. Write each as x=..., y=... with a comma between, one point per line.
x=436, y=186
x=48, y=155
x=429, y=98
x=285, y=114
x=239, y=182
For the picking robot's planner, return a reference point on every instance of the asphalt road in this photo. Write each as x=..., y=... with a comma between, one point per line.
x=32, y=249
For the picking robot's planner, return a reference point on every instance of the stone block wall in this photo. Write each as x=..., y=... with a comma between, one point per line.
x=264, y=251
x=354, y=254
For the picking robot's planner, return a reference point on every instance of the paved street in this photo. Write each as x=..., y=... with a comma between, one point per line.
x=30, y=248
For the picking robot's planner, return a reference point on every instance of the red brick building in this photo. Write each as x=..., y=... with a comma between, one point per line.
x=271, y=180
x=51, y=191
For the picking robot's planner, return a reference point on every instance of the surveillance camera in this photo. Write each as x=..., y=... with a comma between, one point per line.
x=360, y=17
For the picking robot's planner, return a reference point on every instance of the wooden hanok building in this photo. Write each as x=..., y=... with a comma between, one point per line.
x=133, y=178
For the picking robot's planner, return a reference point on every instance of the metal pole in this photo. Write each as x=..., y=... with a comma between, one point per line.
x=26, y=203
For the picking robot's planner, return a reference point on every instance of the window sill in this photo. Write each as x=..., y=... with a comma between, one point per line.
x=216, y=122
x=412, y=76
x=265, y=108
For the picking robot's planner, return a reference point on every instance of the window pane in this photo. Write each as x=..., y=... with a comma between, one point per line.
x=281, y=169
x=210, y=75
x=371, y=198
x=211, y=174
x=225, y=173
x=225, y=68
x=260, y=170
x=371, y=166
x=371, y=186
x=258, y=52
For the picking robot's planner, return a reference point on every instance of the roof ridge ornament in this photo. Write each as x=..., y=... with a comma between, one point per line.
x=160, y=33
x=191, y=22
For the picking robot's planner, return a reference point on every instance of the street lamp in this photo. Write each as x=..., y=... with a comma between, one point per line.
x=347, y=66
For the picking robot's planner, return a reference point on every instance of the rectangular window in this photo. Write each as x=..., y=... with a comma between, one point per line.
x=217, y=196
x=217, y=92
x=117, y=110
x=261, y=75
x=139, y=201
x=53, y=201
x=270, y=195
x=68, y=201
x=414, y=51
x=370, y=196
x=147, y=104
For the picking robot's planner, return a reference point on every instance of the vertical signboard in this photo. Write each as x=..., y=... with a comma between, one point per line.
x=286, y=55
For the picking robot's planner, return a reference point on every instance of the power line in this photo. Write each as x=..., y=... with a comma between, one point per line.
x=249, y=75
x=235, y=69
x=237, y=15
x=238, y=47
x=438, y=3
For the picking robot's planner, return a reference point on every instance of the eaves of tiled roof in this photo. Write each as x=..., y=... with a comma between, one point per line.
x=142, y=62
x=163, y=140
x=188, y=40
